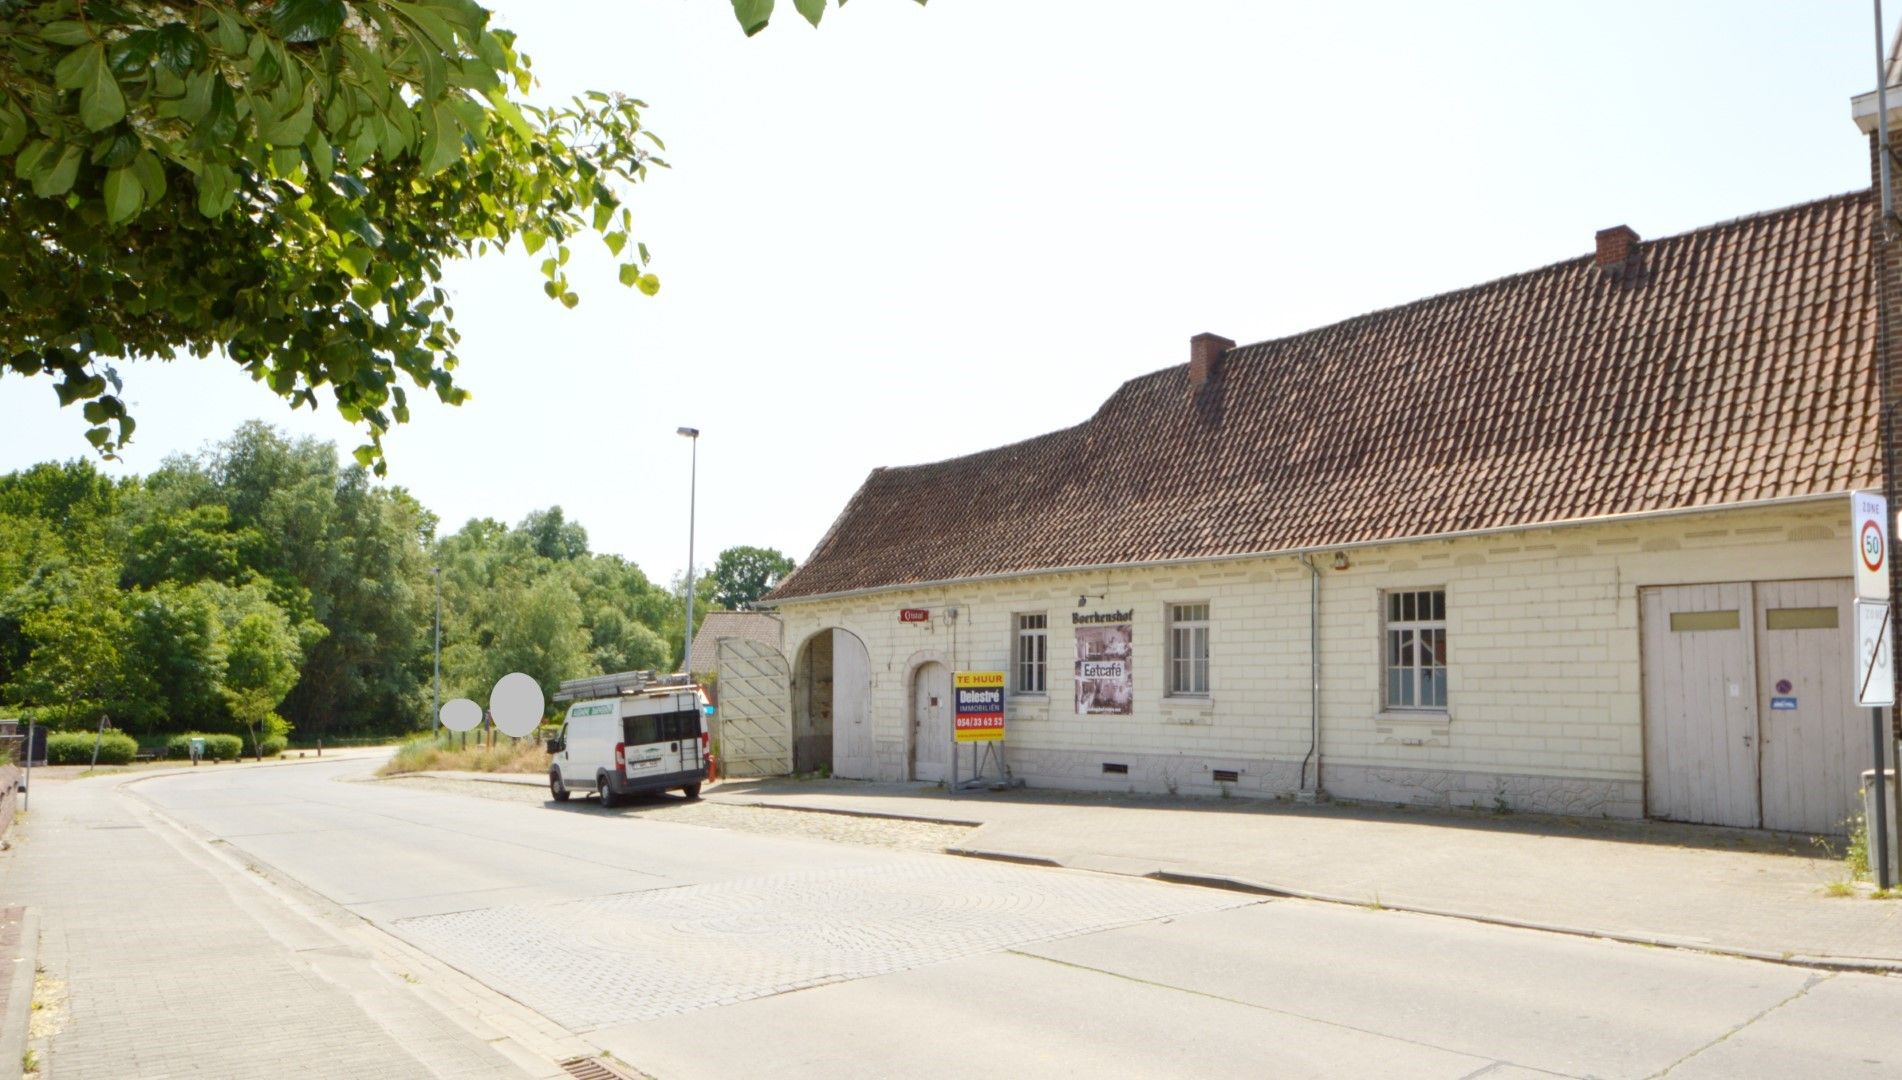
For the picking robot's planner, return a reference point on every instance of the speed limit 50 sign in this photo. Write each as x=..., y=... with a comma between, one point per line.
x=1869, y=529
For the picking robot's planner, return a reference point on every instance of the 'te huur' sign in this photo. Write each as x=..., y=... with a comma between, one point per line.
x=1869, y=530
x=979, y=712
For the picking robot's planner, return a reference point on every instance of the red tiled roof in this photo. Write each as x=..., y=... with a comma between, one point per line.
x=751, y=625
x=1733, y=366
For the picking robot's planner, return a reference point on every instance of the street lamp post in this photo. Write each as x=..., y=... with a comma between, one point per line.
x=693, y=479
x=435, y=699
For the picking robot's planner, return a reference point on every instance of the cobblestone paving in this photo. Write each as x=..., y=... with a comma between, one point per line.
x=638, y=956
x=838, y=828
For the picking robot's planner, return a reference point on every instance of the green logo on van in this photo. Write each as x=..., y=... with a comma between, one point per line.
x=592, y=710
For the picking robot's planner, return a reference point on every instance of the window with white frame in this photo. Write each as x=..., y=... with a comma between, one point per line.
x=1032, y=666
x=1416, y=649
x=1189, y=649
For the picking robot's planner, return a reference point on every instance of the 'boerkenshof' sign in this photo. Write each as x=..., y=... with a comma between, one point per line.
x=1078, y=618
x=979, y=712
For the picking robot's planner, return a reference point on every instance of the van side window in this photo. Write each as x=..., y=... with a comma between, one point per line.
x=641, y=729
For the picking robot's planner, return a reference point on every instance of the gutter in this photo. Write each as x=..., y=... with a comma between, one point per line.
x=1315, y=549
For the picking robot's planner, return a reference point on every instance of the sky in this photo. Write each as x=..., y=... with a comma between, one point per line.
x=916, y=233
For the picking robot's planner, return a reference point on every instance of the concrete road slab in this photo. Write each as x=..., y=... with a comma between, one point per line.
x=607, y=960
x=1011, y=1015
x=1566, y=1004
x=1846, y=1026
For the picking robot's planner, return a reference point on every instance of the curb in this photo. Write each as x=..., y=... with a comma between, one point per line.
x=1821, y=963
x=19, y=1004
x=876, y=814
x=1006, y=856
x=518, y=779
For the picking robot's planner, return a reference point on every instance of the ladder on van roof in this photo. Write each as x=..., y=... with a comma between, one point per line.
x=626, y=682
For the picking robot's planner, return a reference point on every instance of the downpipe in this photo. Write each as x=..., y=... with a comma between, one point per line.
x=1304, y=793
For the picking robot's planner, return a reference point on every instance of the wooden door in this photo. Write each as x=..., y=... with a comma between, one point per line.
x=930, y=723
x=1700, y=704
x=1807, y=712
x=852, y=744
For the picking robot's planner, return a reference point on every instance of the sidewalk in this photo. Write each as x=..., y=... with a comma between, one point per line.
x=171, y=964
x=1720, y=890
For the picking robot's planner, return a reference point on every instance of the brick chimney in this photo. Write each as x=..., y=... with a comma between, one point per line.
x=1617, y=250
x=1205, y=359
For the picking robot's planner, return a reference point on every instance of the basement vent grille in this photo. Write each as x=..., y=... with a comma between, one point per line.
x=1112, y=767
x=1227, y=776
x=583, y=1068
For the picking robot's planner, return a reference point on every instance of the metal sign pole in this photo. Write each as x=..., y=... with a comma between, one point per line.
x=1885, y=233
x=1872, y=693
x=1879, y=828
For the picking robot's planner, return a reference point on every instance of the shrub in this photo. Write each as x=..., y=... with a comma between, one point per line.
x=426, y=752
x=75, y=748
x=217, y=747
x=275, y=744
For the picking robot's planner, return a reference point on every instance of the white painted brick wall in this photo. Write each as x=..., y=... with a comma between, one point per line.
x=1542, y=632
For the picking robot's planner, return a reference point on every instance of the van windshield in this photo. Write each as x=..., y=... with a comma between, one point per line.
x=661, y=727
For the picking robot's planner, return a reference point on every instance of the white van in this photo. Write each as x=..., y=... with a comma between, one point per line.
x=649, y=736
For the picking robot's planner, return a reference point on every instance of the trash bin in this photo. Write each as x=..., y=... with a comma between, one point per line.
x=1869, y=814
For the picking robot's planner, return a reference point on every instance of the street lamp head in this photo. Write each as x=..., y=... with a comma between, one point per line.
x=689, y=432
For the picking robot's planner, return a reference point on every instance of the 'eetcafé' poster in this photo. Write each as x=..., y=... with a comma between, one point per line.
x=1103, y=661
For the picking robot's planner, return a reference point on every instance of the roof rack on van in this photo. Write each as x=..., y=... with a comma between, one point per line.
x=626, y=682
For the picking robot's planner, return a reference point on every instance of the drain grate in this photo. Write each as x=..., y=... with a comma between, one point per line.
x=594, y=1068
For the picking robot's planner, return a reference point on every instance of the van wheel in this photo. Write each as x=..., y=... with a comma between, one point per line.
x=607, y=793
x=691, y=791
x=555, y=787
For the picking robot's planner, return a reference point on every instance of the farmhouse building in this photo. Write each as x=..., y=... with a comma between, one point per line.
x=1576, y=541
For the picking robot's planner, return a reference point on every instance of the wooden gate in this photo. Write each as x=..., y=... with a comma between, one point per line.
x=1749, y=716
x=1812, y=755
x=755, y=713
x=852, y=743
x=1700, y=704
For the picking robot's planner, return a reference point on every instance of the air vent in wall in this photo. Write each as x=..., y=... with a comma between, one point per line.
x=1227, y=776
x=1112, y=767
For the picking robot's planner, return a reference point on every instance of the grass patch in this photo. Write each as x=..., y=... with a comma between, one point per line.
x=426, y=754
x=1839, y=889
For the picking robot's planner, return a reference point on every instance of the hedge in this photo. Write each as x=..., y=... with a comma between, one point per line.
x=217, y=747
x=75, y=748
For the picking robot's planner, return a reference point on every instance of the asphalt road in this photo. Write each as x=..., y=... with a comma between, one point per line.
x=701, y=950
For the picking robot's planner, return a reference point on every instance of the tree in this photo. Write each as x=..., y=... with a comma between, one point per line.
x=282, y=182
x=262, y=653
x=744, y=574
x=554, y=536
x=75, y=665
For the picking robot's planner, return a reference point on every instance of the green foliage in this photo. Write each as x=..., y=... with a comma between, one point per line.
x=534, y=599
x=754, y=14
x=744, y=574
x=282, y=185
x=75, y=659
x=75, y=748
x=261, y=587
x=219, y=746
